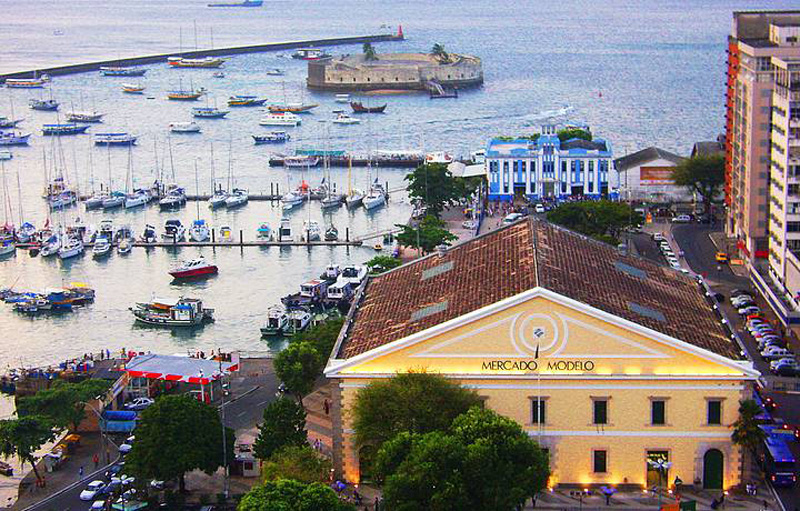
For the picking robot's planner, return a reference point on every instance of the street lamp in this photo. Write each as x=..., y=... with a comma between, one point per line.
x=662, y=467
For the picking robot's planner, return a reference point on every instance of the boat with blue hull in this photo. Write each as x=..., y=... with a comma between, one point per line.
x=14, y=138
x=244, y=3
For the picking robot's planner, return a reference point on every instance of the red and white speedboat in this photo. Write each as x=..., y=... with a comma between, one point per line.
x=194, y=268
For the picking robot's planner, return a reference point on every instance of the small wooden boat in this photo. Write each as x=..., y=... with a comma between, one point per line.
x=359, y=108
x=274, y=137
x=129, y=88
x=246, y=101
x=293, y=108
x=345, y=119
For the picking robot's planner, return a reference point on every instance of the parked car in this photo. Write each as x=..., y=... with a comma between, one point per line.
x=752, y=309
x=513, y=217
x=92, y=490
x=97, y=505
x=657, y=236
x=125, y=448
x=539, y=208
x=681, y=219
x=775, y=352
x=738, y=292
x=138, y=404
x=785, y=367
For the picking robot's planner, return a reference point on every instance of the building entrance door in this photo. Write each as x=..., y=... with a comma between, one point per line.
x=654, y=477
x=712, y=470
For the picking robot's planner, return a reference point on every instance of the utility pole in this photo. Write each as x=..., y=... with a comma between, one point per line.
x=226, y=480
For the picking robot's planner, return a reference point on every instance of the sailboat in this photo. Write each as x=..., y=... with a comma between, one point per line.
x=115, y=199
x=354, y=196
x=376, y=197
x=7, y=236
x=94, y=201
x=199, y=231
x=135, y=197
x=238, y=196
x=181, y=94
x=26, y=230
x=331, y=200
x=218, y=195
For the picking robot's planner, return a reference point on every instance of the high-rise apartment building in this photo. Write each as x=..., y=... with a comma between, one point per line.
x=756, y=38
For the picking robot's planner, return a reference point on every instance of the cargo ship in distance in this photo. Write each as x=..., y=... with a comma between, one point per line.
x=245, y=3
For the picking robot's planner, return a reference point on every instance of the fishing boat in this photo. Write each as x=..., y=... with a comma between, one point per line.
x=206, y=62
x=301, y=161
x=184, y=127
x=184, y=312
x=273, y=137
x=63, y=129
x=209, y=112
x=174, y=198
x=275, y=72
x=264, y=232
x=7, y=122
x=129, y=88
x=277, y=321
x=376, y=197
x=72, y=247
x=122, y=71
x=355, y=275
x=114, y=200
x=5, y=154
x=299, y=320
x=285, y=230
x=26, y=83
x=280, y=119
x=292, y=199
x=359, y=108
x=309, y=54
x=46, y=105
x=136, y=199
x=311, y=230
x=84, y=117
x=125, y=246
x=14, y=138
x=194, y=268
x=342, y=98
x=246, y=101
x=174, y=231
x=292, y=108
x=346, y=119
x=117, y=138
x=331, y=233
x=243, y=3
x=102, y=248
x=237, y=198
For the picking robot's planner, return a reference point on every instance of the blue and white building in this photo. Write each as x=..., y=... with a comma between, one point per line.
x=546, y=167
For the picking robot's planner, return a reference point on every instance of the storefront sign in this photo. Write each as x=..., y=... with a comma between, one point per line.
x=534, y=365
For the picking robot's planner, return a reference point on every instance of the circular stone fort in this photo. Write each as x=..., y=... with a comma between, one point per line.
x=394, y=71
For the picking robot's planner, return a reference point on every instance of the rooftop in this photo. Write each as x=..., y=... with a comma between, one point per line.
x=646, y=155
x=522, y=147
x=532, y=253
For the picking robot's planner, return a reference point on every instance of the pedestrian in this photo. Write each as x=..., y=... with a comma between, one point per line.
x=80, y=472
x=96, y=460
x=108, y=354
x=44, y=481
x=326, y=405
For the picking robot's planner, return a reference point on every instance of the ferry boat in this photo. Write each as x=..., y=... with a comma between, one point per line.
x=209, y=112
x=46, y=105
x=13, y=138
x=359, y=108
x=115, y=138
x=279, y=119
x=194, y=268
x=243, y=3
x=293, y=108
x=84, y=117
x=273, y=137
x=63, y=129
x=346, y=119
x=207, y=62
x=184, y=127
x=129, y=88
x=174, y=231
x=246, y=101
x=25, y=83
x=381, y=158
x=309, y=54
x=277, y=321
x=301, y=161
x=121, y=71
x=184, y=312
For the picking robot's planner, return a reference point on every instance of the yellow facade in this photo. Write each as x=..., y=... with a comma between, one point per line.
x=542, y=347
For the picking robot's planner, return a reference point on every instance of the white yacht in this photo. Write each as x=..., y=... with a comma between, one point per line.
x=184, y=127
x=354, y=198
x=285, y=230
x=173, y=231
x=280, y=119
x=199, y=231
x=73, y=247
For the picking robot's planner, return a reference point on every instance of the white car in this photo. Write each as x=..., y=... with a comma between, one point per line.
x=774, y=352
x=539, y=208
x=97, y=505
x=746, y=311
x=125, y=448
x=92, y=490
x=140, y=403
x=513, y=217
x=657, y=236
x=681, y=219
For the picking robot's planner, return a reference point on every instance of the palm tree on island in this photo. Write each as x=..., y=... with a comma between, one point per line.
x=369, y=52
x=439, y=53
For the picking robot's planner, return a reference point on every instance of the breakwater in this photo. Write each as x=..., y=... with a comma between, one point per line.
x=212, y=52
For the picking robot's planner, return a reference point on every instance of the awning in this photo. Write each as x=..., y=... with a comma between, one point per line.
x=181, y=369
x=459, y=169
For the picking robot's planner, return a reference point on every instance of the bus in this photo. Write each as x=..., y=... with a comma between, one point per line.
x=777, y=459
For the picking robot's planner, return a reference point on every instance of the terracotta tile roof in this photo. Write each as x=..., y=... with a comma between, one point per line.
x=519, y=257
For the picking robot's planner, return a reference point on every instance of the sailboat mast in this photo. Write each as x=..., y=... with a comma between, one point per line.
x=213, y=178
x=171, y=159
x=197, y=188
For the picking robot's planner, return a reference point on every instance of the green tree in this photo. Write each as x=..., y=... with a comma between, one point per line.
x=299, y=366
x=439, y=53
x=701, y=174
x=64, y=403
x=322, y=335
x=178, y=434
x=569, y=134
x=382, y=263
x=289, y=495
x=435, y=187
x=604, y=220
x=484, y=462
x=22, y=437
x=302, y=464
x=427, y=235
x=284, y=425
x=417, y=402
x=746, y=432
x=369, y=52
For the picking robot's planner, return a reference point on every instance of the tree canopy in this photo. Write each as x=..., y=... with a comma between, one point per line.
x=369, y=52
x=603, y=220
x=701, y=174
x=64, y=404
x=22, y=437
x=569, y=134
x=298, y=366
x=427, y=235
x=322, y=335
x=483, y=462
x=416, y=402
x=436, y=187
x=439, y=52
x=301, y=463
x=284, y=425
x=290, y=495
x=382, y=263
x=178, y=434
x=746, y=432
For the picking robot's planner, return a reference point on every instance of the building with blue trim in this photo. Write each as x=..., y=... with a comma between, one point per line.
x=545, y=167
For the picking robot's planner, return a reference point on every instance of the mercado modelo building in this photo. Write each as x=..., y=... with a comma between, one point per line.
x=607, y=360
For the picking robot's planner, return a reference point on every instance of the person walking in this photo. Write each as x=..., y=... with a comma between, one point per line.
x=80, y=472
x=96, y=460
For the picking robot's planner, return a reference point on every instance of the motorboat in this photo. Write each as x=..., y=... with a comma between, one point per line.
x=346, y=119
x=355, y=275
x=199, y=231
x=311, y=230
x=136, y=199
x=299, y=320
x=293, y=108
x=331, y=233
x=274, y=72
x=280, y=119
x=121, y=71
x=114, y=201
x=174, y=231
x=309, y=54
x=69, y=128
x=46, y=105
x=225, y=234
x=218, y=199
x=124, y=232
x=277, y=321
x=117, y=138
x=273, y=137
x=246, y=101
x=354, y=199
x=184, y=127
x=101, y=248
x=129, y=88
x=84, y=117
x=209, y=112
x=237, y=198
x=264, y=232
x=106, y=230
x=149, y=234
x=8, y=138
x=207, y=62
x=342, y=98
x=292, y=199
x=184, y=312
x=301, y=161
x=125, y=246
x=285, y=230
x=174, y=198
x=219, y=74
x=194, y=268
x=72, y=247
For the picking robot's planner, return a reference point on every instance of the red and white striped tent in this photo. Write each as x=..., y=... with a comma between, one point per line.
x=179, y=369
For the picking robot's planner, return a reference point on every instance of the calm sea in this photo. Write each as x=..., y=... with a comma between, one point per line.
x=640, y=73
